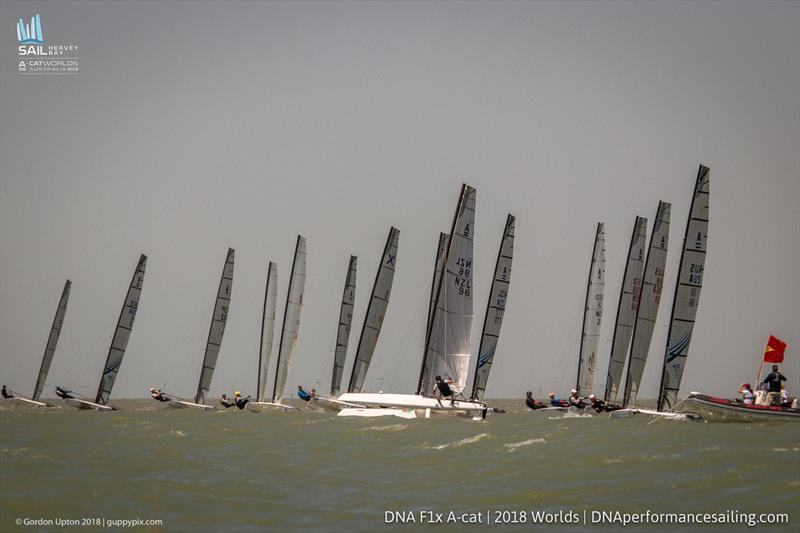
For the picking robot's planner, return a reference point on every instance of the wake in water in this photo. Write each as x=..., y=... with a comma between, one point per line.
x=393, y=427
x=512, y=446
x=459, y=443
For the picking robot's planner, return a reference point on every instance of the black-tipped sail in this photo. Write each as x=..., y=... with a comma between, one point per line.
x=291, y=318
x=267, y=329
x=626, y=310
x=217, y=329
x=122, y=333
x=447, y=343
x=52, y=341
x=376, y=310
x=495, y=309
x=592, y=314
x=438, y=268
x=687, y=293
x=649, y=300
x=345, y=322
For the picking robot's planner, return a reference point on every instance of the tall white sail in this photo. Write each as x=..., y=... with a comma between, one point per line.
x=122, y=333
x=687, y=293
x=52, y=341
x=345, y=322
x=592, y=314
x=495, y=309
x=267, y=329
x=649, y=301
x=448, y=341
x=376, y=310
x=291, y=318
x=217, y=329
x=626, y=310
x=441, y=252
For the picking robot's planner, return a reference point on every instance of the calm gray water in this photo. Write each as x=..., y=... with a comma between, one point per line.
x=239, y=471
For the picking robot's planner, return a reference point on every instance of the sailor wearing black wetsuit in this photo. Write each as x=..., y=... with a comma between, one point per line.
x=444, y=391
x=773, y=383
x=226, y=402
x=62, y=393
x=531, y=403
x=158, y=395
x=5, y=393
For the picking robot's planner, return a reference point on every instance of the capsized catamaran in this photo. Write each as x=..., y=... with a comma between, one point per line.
x=49, y=352
x=291, y=327
x=626, y=310
x=119, y=344
x=448, y=338
x=495, y=309
x=215, y=332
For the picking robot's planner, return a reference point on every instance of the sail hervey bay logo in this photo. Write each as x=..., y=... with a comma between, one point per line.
x=37, y=56
x=30, y=33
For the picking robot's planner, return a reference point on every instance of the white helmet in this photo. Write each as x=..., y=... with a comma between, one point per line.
x=592, y=396
x=573, y=391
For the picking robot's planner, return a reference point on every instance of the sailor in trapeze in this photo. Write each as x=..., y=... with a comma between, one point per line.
x=443, y=390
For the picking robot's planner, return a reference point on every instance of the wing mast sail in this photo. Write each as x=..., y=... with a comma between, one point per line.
x=122, y=333
x=345, y=323
x=291, y=318
x=592, y=314
x=52, y=341
x=687, y=293
x=495, y=309
x=649, y=300
x=217, y=329
x=447, y=344
x=441, y=252
x=267, y=329
x=626, y=310
x=376, y=310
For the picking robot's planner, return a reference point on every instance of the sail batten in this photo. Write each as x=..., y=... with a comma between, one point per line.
x=345, y=323
x=493, y=320
x=217, y=329
x=119, y=341
x=649, y=301
x=687, y=292
x=592, y=314
x=52, y=341
x=376, y=310
x=447, y=345
x=291, y=318
x=267, y=329
x=626, y=310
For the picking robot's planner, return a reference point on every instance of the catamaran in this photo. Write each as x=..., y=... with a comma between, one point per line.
x=448, y=337
x=119, y=344
x=291, y=326
x=215, y=332
x=49, y=352
x=592, y=315
x=267, y=335
x=684, y=304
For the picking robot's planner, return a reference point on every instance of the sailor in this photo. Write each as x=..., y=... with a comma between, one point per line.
x=747, y=393
x=63, y=393
x=557, y=402
x=5, y=393
x=596, y=403
x=303, y=395
x=226, y=402
x=785, y=400
x=575, y=400
x=313, y=393
x=531, y=403
x=239, y=401
x=773, y=383
x=158, y=395
x=443, y=390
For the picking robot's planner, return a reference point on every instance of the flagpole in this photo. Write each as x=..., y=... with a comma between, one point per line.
x=761, y=366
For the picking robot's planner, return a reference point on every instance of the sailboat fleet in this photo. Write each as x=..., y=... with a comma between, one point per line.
x=444, y=364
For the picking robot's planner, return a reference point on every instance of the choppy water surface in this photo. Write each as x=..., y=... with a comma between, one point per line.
x=239, y=471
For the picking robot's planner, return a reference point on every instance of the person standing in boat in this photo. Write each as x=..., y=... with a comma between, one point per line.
x=158, y=395
x=443, y=390
x=5, y=393
x=302, y=394
x=773, y=383
x=747, y=393
x=531, y=403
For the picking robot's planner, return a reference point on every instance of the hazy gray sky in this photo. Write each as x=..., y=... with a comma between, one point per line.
x=192, y=127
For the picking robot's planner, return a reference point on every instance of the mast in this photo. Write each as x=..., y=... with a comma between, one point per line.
x=376, y=310
x=592, y=314
x=291, y=318
x=441, y=252
x=447, y=344
x=649, y=300
x=495, y=309
x=122, y=333
x=267, y=329
x=626, y=310
x=217, y=329
x=687, y=292
x=52, y=341
x=343, y=330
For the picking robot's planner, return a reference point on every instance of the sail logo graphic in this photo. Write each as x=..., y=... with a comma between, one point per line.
x=676, y=348
x=30, y=33
x=487, y=357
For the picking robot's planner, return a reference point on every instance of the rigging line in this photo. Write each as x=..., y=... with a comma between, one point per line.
x=402, y=347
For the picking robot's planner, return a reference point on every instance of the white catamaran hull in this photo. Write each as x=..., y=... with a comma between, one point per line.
x=331, y=405
x=86, y=404
x=377, y=411
x=180, y=404
x=261, y=407
x=629, y=413
x=411, y=401
x=30, y=403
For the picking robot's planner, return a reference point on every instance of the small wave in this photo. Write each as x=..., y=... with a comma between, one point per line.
x=393, y=427
x=514, y=445
x=612, y=461
x=462, y=442
x=177, y=433
x=786, y=449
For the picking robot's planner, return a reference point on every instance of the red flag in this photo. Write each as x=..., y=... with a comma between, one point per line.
x=774, y=351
